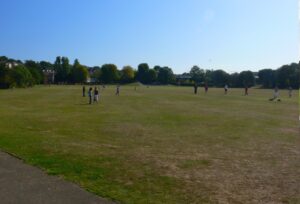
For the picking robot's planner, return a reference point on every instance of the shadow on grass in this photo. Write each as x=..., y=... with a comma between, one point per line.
x=83, y=104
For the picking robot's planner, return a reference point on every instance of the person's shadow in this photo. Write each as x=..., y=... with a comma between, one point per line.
x=83, y=104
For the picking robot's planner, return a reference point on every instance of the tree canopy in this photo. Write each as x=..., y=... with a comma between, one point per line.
x=15, y=73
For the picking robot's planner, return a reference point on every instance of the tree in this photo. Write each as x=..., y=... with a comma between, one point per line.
x=156, y=68
x=267, y=78
x=295, y=79
x=109, y=73
x=288, y=75
x=208, y=77
x=66, y=69
x=151, y=76
x=165, y=75
x=58, y=69
x=3, y=59
x=43, y=65
x=35, y=71
x=234, y=80
x=79, y=73
x=76, y=63
x=4, y=76
x=197, y=74
x=142, y=73
x=96, y=73
x=246, y=78
x=127, y=74
x=62, y=69
x=220, y=78
x=21, y=77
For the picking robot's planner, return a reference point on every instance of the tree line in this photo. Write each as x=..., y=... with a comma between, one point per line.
x=29, y=73
x=283, y=77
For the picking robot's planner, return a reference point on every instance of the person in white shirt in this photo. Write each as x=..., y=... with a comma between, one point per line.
x=275, y=95
x=226, y=88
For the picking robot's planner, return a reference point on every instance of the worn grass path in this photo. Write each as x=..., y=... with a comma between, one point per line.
x=160, y=144
x=22, y=183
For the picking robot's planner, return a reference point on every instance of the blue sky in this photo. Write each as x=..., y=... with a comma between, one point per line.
x=233, y=35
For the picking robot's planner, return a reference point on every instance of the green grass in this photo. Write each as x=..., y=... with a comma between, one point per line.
x=159, y=144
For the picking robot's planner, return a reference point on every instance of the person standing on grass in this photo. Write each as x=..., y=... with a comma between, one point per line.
x=226, y=88
x=195, y=88
x=290, y=91
x=118, y=90
x=206, y=88
x=83, y=91
x=96, y=95
x=246, y=90
x=275, y=95
x=90, y=95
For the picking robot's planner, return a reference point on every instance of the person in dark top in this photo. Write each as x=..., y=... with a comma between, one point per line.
x=246, y=90
x=206, y=88
x=90, y=95
x=118, y=90
x=83, y=91
x=195, y=88
x=290, y=92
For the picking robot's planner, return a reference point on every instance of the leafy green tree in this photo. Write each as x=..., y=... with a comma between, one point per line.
x=295, y=79
x=151, y=76
x=58, y=69
x=76, y=63
x=62, y=69
x=165, y=75
x=79, y=73
x=43, y=65
x=220, y=78
x=208, y=77
x=197, y=74
x=66, y=69
x=246, y=78
x=21, y=77
x=96, y=74
x=127, y=74
x=3, y=59
x=287, y=75
x=157, y=68
x=35, y=71
x=109, y=73
x=234, y=80
x=267, y=78
x=5, y=81
x=142, y=73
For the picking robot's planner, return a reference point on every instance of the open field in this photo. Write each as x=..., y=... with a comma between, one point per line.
x=160, y=144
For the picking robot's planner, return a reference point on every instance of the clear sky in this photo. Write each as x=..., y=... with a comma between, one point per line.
x=233, y=35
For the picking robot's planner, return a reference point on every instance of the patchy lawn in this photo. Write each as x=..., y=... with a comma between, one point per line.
x=160, y=144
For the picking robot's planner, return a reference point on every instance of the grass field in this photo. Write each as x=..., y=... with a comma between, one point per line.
x=160, y=144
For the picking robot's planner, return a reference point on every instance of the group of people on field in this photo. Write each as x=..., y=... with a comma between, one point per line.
x=94, y=94
x=275, y=94
x=225, y=89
